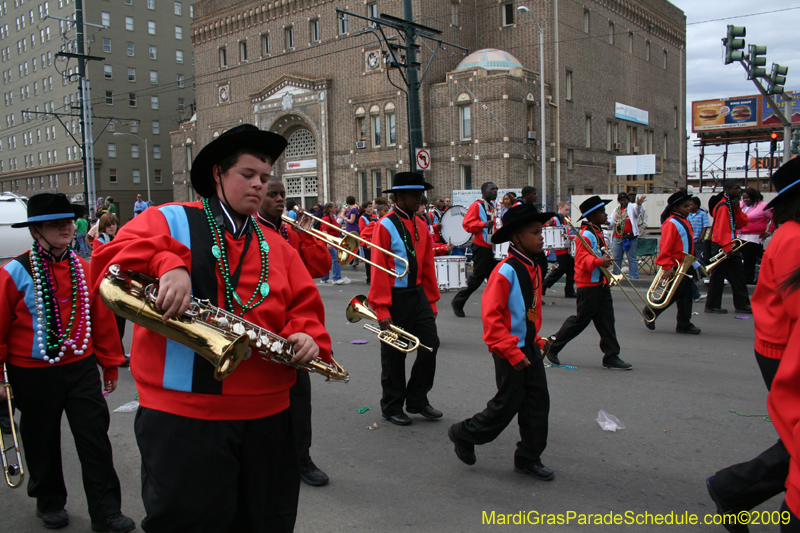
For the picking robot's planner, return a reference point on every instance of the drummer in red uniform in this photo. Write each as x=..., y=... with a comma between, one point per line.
x=566, y=263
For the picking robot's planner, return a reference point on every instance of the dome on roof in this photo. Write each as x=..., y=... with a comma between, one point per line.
x=489, y=59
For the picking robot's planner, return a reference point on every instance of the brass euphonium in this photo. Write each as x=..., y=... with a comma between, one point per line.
x=224, y=339
x=662, y=289
x=11, y=469
x=395, y=337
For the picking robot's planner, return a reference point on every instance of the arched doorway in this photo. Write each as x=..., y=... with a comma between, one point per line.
x=300, y=174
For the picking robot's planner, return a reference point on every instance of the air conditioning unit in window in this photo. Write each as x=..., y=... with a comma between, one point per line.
x=361, y=145
x=617, y=147
x=635, y=149
x=531, y=135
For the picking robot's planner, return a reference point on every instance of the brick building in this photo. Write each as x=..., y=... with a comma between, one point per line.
x=295, y=67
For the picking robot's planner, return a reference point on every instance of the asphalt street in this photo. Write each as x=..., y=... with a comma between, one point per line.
x=675, y=405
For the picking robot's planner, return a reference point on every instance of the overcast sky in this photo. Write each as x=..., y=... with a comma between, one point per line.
x=707, y=77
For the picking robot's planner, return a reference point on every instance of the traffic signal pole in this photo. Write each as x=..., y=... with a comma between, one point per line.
x=412, y=73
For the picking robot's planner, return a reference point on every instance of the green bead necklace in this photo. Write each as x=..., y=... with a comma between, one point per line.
x=219, y=252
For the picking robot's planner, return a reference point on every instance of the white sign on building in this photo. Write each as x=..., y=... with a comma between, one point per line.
x=626, y=112
x=634, y=165
x=292, y=166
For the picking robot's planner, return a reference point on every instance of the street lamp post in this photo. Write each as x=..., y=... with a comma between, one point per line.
x=542, y=137
x=146, y=161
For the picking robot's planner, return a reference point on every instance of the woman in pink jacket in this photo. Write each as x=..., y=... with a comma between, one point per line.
x=759, y=222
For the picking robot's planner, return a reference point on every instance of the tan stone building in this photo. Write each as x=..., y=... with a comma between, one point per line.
x=295, y=67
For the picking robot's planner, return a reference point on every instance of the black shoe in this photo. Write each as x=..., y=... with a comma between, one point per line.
x=127, y=362
x=691, y=330
x=312, y=475
x=464, y=450
x=398, y=420
x=457, y=310
x=571, y=295
x=716, y=310
x=54, y=519
x=745, y=310
x=648, y=313
x=427, y=412
x=615, y=363
x=725, y=509
x=118, y=523
x=535, y=469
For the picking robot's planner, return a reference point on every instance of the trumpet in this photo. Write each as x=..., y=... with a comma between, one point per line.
x=714, y=262
x=222, y=338
x=395, y=337
x=11, y=469
x=346, y=245
x=615, y=280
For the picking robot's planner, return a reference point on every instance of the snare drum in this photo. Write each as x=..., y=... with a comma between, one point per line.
x=555, y=238
x=451, y=226
x=451, y=272
x=501, y=250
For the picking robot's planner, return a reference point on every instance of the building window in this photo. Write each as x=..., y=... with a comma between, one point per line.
x=465, y=122
x=363, y=186
x=109, y=98
x=568, y=85
x=666, y=145
x=135, y=151
x=151, y=27
x=647, y=51
x=508, y=13
x=223, y=58
x=372, y=11
x=611, y=28
x=630, y=42
x=130, y=49
x=466, y=176
x=154, y=102
x=570, y=159
x=112, y=175
x=129, y=23
x=132, y=99
x=342, y=23
x=105, y=19
x=157, y=176
x=665, y=59
x=179, y=56
x=131, y=74
x=154, y=77
x=391, y=129
x=586, y=14
x=179, y=32
x=156, y=127
x=106, y=45
x=242, y=51
x=588, y=132
x=265, y=44
x=376, y=130
x=153, y=53
x=676, y=117
x=156, y=151
x=180, y=81
x=289, y=37
x=314, y=31
x=151, y=4
x=454, y=13
x=112, y=150
x=361, y=129
x=108, y=72
x=177, y=8
x=134, y=126
x=136, y=174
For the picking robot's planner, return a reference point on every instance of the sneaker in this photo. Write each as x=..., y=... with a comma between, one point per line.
x=118, y=523
x=326, y=282
x=615, y=363
x=342, y=281
x=312, y=475
x=54, y=519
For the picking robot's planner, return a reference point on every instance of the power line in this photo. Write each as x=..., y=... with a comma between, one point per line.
x=743, y=16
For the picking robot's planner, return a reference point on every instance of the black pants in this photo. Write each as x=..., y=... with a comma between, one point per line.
x=566, y=266
x=745, y=485
x=683, y=300
x=520, y=393
x=120, y=328
x=217, y=475
x=42, y=395
x=594, y=305
x=752, y=252
x=412, y=312
x=794, y=524
x=367, y=256
x=483, y=262
x=732, y=270
x=300, y=407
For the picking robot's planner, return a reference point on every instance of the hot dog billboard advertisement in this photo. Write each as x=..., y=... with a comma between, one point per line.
x=728, y=114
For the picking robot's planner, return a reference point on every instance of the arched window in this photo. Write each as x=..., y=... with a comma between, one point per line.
x=301, y=144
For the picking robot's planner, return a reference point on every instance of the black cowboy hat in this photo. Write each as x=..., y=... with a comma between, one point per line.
x=678, y=198
x=405, y=181
x=244, y=137
x=47, y=206
x=516, y=217
x=785, y=179
x=590, y=204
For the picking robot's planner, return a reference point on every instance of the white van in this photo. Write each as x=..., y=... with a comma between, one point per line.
x=13, y=241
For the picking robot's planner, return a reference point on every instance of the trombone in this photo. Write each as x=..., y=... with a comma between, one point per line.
x=395, y=337
x=615, y=280
x=346, y=245
x=11, y=470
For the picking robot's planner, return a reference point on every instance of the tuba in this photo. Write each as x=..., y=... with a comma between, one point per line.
x=11, y=469
x=221, y=337
x=662, y=289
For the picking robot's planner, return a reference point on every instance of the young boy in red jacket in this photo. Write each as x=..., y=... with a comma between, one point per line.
x=594, y=295
x=512, y=315
x=677, y=240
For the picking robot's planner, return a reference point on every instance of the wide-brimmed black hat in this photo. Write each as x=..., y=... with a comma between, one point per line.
x=409, y=181
x=785, y=179
x=591, y=204
x=622, y=195
x=244, y=137
x=47, y=206
x=518, y=216
x=678, y=198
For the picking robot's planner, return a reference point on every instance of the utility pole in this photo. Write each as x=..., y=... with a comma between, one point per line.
x=414, y=109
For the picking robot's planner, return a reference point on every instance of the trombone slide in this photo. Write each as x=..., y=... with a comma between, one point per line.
x=11, y=469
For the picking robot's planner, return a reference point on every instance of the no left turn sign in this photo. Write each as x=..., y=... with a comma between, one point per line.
x=423, y=159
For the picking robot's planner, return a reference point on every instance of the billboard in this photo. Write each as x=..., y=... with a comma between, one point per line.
x=789, y=108
x=742, y=112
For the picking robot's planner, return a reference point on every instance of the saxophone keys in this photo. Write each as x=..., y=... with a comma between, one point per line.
x=238, y=328
x=252, y=334
x=263, y=341
x=277, y=347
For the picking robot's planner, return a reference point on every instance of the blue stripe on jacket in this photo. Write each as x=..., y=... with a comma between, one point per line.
x=597, y=274
x=516, y=304
x=178, y=359
x=683, y=234
x=397, y=247
x=24, y=283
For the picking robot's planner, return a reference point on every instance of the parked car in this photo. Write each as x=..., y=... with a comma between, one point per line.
x=13, y=209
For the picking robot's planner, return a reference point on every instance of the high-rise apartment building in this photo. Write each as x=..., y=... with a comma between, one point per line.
x=142, y=89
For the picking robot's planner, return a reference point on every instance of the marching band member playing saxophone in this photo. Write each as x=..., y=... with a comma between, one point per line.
x=317, y=260
x=191, y=428
x=677, y=240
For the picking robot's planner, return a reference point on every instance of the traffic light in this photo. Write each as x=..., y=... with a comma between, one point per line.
x=777, y=78
x=796, y=141
x=733, y=45
x=773, y=144
x=756, y=61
